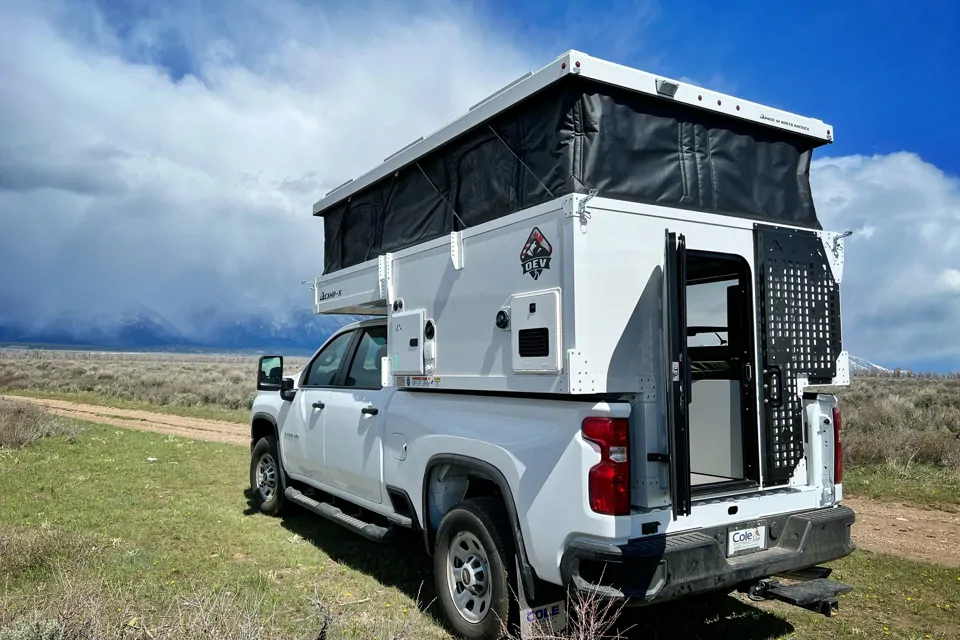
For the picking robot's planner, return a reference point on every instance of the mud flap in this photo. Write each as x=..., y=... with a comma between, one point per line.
x=544, y=615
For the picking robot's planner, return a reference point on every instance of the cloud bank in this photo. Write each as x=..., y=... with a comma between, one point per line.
x=167, y=158
x=125, y=183
x=901, y=281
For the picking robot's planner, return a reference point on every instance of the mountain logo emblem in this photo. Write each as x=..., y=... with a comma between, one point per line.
x=536, y=254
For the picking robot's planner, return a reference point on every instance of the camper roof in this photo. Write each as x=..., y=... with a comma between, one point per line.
x=582, y=65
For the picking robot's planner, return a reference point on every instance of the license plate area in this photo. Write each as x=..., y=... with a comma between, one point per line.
x=745, y=538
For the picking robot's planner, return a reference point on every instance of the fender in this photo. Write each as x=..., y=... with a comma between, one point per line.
x=267, y=418
x=487, y=469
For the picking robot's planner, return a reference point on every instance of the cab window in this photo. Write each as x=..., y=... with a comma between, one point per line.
x=365, y=368
x=323, y=370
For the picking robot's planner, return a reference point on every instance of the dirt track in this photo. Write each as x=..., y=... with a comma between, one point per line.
x=910, y=532
x=196, y=428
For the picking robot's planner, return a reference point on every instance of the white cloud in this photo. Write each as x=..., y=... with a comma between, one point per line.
x=901, y=284
x=122, y=186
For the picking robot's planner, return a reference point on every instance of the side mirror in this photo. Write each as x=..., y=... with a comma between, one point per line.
x=270, y=373
x=287, y=392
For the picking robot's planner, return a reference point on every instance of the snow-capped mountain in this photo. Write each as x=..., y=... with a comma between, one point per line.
x=860, y=365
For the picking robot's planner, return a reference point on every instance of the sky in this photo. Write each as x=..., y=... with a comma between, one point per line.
x=165, y=156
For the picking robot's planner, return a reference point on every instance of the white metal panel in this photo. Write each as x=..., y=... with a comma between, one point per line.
x=351, y=291
x=405, y=342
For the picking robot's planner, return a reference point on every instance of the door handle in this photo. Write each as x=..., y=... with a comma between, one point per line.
x=318, y=405
x=370, y=411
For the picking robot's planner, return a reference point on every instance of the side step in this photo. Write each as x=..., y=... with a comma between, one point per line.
x=820, y=595
x=368, y=530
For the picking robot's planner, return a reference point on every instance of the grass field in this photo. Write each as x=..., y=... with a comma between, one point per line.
x=97, y=537
x=901, y=435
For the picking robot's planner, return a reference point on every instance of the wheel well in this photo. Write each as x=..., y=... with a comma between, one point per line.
x=449, y=480
x=449, y=484
x=261, y=427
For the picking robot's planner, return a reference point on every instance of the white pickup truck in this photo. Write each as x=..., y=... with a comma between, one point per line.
x=496, y=483
x=603, y=305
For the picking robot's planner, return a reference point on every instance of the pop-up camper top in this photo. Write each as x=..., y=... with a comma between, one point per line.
x=593, y=230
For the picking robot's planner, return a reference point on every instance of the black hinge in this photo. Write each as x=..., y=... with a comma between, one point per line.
x=658, y=457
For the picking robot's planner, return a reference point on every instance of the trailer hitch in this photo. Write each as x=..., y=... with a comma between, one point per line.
x=819, y=595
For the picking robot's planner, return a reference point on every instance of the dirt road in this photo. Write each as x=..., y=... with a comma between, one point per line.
x=196, y=428
x=910, y=532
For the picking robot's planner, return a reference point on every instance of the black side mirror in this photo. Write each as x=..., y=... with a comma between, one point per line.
x=270, y=373
x=287, y=392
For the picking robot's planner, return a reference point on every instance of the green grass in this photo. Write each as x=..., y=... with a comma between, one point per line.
x=920, y=484
x=166, y=530
x=211, y=412
x=89, y=521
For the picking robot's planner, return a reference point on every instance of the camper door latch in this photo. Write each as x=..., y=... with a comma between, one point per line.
x=658, y=457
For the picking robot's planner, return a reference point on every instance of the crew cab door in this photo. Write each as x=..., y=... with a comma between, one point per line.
x=678, y=372
x=302, y=430
x=351, y=429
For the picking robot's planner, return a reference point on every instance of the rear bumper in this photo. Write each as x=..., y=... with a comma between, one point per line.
x=665, y=567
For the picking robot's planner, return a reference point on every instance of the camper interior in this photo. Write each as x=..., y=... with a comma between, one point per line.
x=723, y=426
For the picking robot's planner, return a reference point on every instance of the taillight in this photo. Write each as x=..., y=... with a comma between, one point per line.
x=609, y=479
x=837, y=448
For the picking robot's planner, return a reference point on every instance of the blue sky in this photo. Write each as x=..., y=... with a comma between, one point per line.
x=147, y=149
x=885, y=74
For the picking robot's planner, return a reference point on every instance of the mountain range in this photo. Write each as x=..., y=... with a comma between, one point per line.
x=299, y=334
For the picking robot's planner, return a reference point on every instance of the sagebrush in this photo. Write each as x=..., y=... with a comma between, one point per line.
x=887, y=419
x=22, y=424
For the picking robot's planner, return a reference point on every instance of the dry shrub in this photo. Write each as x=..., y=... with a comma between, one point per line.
x=589, y=617
x=901, y=421
x=22, y=423
x=85, y=610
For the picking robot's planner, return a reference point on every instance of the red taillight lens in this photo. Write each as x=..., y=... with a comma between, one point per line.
x=837, y=447
x=609, y=479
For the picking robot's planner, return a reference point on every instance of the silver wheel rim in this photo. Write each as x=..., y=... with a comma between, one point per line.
x=468, y=576
x=267, y=477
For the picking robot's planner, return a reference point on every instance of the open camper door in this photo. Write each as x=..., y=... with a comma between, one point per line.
x=679, y=373
x=799, y=321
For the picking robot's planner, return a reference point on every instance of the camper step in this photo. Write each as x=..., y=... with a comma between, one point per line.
x=820, y=595
x=366, y=529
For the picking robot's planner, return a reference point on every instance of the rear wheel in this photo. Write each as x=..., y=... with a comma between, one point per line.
x=473, y=567
x=265, y=476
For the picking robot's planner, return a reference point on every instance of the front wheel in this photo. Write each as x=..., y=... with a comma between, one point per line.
x=472, y=562
x=265, y=476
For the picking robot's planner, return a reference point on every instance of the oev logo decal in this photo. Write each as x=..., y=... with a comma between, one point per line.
x=536, y=254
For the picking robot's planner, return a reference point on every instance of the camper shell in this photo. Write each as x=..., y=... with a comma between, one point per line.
x=594, y=230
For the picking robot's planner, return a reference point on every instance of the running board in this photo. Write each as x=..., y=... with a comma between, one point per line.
x=368, y=530
x=819, y=595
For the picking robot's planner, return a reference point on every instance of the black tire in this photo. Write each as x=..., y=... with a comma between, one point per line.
x=483, y=520
x=270, y=503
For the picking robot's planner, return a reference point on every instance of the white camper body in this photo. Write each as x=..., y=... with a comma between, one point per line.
x=587, y=315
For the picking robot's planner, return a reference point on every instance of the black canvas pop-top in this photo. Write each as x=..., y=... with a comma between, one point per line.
x=574, y=136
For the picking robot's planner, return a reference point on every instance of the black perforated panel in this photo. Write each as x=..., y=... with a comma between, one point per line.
x=799, y=309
